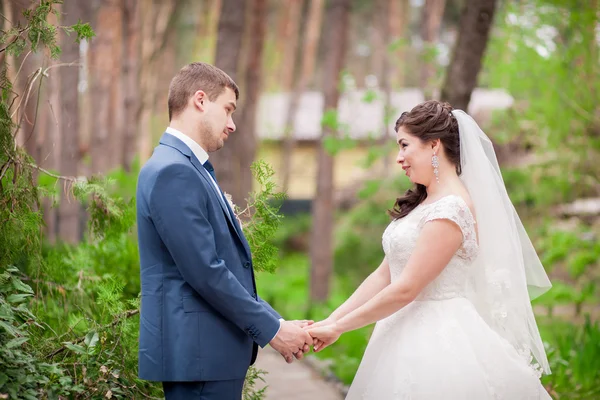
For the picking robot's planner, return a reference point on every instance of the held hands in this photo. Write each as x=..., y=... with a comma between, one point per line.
x=292, y=339
x=324, y=333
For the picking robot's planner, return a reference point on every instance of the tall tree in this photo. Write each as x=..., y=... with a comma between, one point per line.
x=156, y=17
x=378, y=37
x=131, y=79
x=399, y=17
x=309, y=57
x=461, y=77
x=229, y=42
x=50, y=142
x=68, y=212
x=253, y=80
x=105, y=63
x=292, y=10
x=433, y=11
x=321, y=246
x=21, y=71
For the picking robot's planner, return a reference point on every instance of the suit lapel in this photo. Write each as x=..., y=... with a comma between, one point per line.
x=239, y=231
x=172, y=141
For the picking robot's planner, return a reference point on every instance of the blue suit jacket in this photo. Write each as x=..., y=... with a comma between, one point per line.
x=200, y=317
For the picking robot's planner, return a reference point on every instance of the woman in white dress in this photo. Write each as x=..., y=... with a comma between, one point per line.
x=451, y=298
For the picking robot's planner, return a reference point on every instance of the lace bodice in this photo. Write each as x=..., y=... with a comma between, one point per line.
x=400, y=239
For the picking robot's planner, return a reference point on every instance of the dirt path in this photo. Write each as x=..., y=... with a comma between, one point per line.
x=296, y=381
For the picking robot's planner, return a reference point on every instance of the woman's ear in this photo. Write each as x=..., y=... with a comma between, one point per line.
x=435, y=145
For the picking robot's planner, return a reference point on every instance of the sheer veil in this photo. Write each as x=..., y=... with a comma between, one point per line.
x=507, y=273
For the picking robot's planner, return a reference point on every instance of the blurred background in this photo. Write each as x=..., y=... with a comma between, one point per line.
x=322, y=84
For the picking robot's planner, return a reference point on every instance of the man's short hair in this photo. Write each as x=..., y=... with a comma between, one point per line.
x=197, y=76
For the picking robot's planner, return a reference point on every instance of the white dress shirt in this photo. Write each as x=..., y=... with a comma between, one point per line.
x=202, y=156
x=198, y=151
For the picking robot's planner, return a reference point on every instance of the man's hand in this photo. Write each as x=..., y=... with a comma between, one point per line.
x=304, y=323
x=292, y=340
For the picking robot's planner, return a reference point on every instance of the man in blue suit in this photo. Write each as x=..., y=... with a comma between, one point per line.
x=201, y=319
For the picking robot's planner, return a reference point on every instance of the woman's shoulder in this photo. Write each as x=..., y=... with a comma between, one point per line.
x=453, y=204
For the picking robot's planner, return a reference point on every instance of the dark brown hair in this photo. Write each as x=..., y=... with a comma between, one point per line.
x=428, y=121
x=197, y=76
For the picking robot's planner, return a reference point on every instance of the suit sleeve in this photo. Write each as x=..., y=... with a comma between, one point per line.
x=269, y=308
x=178, y=205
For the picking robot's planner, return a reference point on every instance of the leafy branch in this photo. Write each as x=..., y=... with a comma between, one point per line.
x=262, y=218
x=117, y=320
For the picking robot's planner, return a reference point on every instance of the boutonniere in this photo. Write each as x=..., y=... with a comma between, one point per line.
x=233, y=206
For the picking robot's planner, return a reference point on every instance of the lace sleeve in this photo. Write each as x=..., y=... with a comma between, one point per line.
x=453, y=208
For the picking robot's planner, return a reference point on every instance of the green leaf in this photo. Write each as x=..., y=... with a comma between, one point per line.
x=16, y=342
x=3, y=379
x=84, y=31
x=91, y=339
x=370, y=96
x=11, y=330
x=330, y=120
x=75, y=348
x=20, y=286
x=17, y=298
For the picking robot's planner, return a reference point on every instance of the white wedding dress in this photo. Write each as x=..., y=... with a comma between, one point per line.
x=438, y=346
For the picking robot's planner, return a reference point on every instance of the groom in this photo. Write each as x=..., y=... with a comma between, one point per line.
x=201, y=320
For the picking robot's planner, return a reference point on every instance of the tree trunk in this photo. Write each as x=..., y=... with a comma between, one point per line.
x=247, y=123
x=291, y=28
x=321, y=249
x=155, y=18
x=386, y=83
x=20, y=70
x=309, y=57
x=50, y=149
x=378, y=38
x=68, y=220
x=433, y=11
x=461, y=76
x=131, y=80
x=103, y=64
x=399, y=20
x=229, y=43
x=204, y=45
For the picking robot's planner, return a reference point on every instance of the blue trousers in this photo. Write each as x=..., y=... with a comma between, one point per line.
x=208, y=390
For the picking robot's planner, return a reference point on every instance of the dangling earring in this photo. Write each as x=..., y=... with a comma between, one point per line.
x=435, y=162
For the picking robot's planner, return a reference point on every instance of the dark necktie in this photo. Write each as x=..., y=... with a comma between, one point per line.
x=211, y=170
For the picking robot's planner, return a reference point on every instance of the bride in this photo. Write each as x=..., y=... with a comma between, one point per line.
x=452, y=296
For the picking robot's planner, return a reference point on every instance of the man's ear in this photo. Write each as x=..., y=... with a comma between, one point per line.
x=199, y=99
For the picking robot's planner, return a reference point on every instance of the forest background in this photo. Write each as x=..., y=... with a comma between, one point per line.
x=84, y=87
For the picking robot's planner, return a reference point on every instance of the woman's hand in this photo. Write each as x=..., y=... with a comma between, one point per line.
x=323, y=335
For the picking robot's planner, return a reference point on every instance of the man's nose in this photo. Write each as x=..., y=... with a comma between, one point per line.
x=231, y=125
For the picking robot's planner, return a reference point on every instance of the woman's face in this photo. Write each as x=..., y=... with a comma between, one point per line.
x=415, y=157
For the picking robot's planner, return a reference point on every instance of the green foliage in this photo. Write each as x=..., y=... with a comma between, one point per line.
x=358, y=233
x=82, y=30
x=574, y=355
x=265, y=218
x=330, y=120
x=23, y=374
x=38, y=32
x=249, y=391
x=542, y=53
x=576, y=253
x=333, y=144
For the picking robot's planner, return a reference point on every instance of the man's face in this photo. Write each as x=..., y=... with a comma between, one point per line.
x=217, y=123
